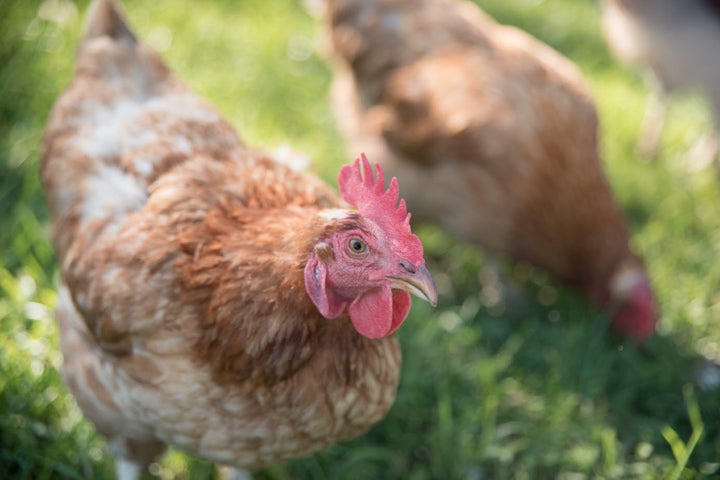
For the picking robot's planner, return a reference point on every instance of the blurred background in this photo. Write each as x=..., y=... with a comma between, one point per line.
x=531, y=388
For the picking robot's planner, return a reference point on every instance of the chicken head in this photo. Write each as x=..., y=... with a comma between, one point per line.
x=632, y=303
x=369, y=261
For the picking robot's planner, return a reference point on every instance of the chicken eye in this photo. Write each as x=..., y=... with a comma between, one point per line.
x=357, y=246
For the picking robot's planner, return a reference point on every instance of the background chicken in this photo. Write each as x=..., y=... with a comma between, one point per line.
x=494, y=136
x=214, y=299
x=677, y=42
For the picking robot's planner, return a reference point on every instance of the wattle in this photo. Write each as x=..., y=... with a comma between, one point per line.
x=379, y=312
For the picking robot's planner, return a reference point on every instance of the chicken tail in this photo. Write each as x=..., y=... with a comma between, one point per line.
x=122, y=123
x=105, y=18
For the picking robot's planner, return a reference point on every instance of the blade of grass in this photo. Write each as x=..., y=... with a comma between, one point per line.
x=681, y=451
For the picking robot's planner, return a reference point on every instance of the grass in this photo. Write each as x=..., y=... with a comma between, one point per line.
x=525, y=390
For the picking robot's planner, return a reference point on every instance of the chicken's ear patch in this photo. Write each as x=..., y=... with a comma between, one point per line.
x=329, y=305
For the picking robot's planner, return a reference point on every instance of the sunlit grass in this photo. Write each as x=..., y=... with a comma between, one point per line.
x=527, y=388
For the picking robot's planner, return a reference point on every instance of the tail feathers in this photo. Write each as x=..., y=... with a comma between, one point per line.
x=105, y=18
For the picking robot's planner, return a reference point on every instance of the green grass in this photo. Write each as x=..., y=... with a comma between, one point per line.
x=531, y=389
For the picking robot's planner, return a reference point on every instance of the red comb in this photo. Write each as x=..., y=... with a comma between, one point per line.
x=358, y=188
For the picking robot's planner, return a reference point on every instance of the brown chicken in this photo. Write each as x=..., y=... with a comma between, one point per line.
x=213, y=299
x=494, y=136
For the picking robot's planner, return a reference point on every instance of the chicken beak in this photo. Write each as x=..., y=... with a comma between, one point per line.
x=420, y=284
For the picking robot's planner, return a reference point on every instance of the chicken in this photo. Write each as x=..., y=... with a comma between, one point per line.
x=677, y=41
x=213, y=299
x=493, y=134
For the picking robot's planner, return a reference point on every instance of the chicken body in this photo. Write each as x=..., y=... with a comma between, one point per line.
x=676, y=41
x=184, y=315
x=494, y=136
